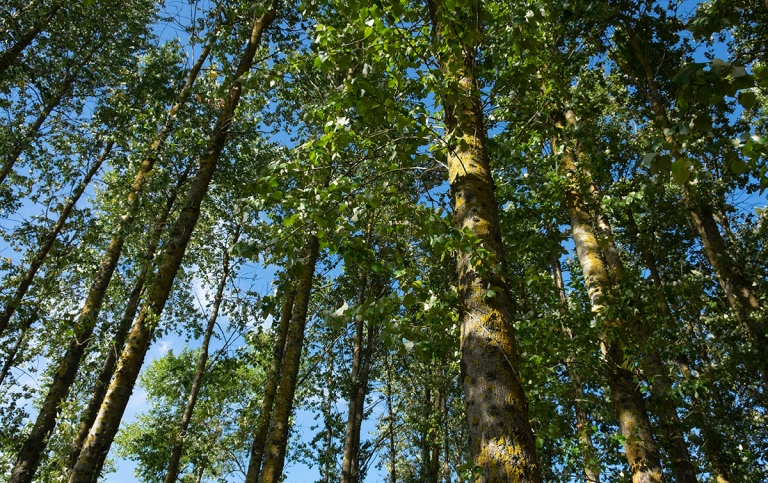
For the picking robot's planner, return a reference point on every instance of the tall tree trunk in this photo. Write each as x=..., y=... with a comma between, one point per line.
x=270, y=389
x=9, y=57
x=277, y=440
x=433, y=475
x=683, y=468
x=361, y=355
x=391, y=423
x=51, y=103
x=587, y=448
x=329, y=458
x=64, y=377
x=50, y=238
x=202, y=361
x=501, y=441
x=635, y=426
x=107, y=422
x=737, y=287
x=662, y=404
x=10, y=359
x=88, y=415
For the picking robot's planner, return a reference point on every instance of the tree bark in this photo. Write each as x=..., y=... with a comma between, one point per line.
x=501, y=441
x=634, y=424
x=108, y=420
x=50, y=239
x=31, y=450
x=391, y=424
x=88, y=415
x=277, y=441
x=202, y=361
x=270, y=389
x=9, y=57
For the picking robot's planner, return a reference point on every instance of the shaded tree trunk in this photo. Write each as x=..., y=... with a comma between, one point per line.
x=391, y=423
x=737, y=287
x=202, y=361
x=52, y=102
x=88, y=415
x=629, y=405
x=501, y=441
x=49, y=240
x=108, y=420
x=270, y=389
x=277, y=440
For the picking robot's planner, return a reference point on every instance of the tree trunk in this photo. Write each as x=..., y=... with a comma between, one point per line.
x=359, y=386
x=10, y=360
x=433, y=475
x=500, y=438
x=50, y=238
x=277, y=441
x=9, y=57
x=33, y=446
x=107, y=422
x=202, y=361
x=51, y=103
x=737, y=288
x=583, y=424
x=635, y=426
x=270, y=389
x=88, y=415
x=391, y=424
x=662, y=404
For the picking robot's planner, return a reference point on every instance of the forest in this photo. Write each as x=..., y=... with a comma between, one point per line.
x=406, y=241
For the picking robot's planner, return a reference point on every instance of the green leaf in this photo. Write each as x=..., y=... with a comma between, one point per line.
x=747, y=99
x=739, y=166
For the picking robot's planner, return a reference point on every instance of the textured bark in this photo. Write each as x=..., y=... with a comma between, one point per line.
x=501, y=441
x=10, y=56
x=31, y=451
x=50, y=238
x=433, y=474
x=202, y=362
x=634, y=424
x=108, y=420
x=277, y=440
x=88, y=415
x=362, y=350
x=583, y=424
x=270, y=389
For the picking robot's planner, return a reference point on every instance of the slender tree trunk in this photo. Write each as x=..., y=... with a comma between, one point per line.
x=391, y=424
x=635, y=426
x=661, y=387
x=10, y=360
x=50, y=238
x=270, y=389
x=51, y=103
x=583, y=424
x=9, y=57
x=202, y=361
x=737, y=287
x=277, y=441
x=107, y=422
x=358, y=389
x=434, y=458
x=501, y=441
x=88, y=415
x=329, y=458
x=32, y=449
